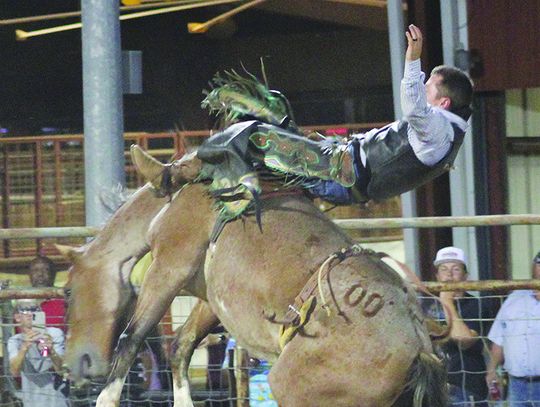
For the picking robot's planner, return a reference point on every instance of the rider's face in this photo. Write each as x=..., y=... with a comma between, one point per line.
x=432, y=92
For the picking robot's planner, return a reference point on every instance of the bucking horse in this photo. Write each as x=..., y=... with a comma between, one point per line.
x=339, y=326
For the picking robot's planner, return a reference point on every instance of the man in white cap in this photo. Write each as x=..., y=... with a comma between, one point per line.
x=463, y=352
x=515, y=335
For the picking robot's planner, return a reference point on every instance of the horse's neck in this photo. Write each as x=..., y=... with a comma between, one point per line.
x=126, y=229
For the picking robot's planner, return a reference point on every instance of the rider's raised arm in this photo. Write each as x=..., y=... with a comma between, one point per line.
x=430, y=133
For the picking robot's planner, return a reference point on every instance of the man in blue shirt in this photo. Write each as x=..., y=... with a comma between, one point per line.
x=515, y=337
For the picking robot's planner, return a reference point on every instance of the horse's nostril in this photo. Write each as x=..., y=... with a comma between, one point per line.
x=86, y=364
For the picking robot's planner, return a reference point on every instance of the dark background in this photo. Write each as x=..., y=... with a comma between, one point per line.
x=332, y=73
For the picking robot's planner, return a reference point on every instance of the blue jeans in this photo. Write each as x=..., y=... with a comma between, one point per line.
x=523, y=392
x=332, y=192
x=460, y=397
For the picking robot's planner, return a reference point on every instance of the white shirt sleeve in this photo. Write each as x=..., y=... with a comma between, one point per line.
x=496, y=333
x=430, y=131
x=13, y=347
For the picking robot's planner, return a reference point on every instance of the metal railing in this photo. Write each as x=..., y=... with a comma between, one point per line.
x=42, y=178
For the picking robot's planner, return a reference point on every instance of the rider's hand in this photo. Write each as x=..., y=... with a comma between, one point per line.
x=414, y=39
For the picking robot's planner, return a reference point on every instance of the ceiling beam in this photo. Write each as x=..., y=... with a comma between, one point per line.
x=368, y=14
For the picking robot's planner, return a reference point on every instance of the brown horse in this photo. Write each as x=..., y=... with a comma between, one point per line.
x=372, y=349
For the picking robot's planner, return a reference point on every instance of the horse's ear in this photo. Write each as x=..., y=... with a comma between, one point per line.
x=146, y=165
x=69, y=252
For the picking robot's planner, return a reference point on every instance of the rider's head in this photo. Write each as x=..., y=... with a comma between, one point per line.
x=451, y=89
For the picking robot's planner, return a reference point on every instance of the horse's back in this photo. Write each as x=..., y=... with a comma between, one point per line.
x=250, y=272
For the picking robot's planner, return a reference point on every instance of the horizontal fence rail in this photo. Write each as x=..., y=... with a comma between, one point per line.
x=438, y=222
x=371, y=223
x=50, y=232
x=31, y=293
x=483, y=285
x=432, y=286
x=42, y=179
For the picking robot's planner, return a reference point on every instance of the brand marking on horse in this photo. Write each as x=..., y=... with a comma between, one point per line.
x=355, y=295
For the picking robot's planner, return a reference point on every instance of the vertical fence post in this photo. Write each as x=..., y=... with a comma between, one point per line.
x=6, y=310
x=38, y=192
x=58, y=204
x=5, y=197
x=242, y=377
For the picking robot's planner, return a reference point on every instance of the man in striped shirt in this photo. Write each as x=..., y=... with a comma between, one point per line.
x=419, y=147
x=377, y=165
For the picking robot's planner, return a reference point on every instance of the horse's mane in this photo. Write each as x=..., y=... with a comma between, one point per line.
x=115, y=198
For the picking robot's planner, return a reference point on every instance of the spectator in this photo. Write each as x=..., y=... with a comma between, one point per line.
x=464, y=350
x=515, y=335
x=36, y=355
x=42, y=274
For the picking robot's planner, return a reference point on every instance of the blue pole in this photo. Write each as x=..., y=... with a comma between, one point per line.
x=102, y=104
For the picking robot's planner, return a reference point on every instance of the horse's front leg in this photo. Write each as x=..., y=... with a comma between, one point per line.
x=198, y=325
x=156, y=295
x=125, y=354
x=110, y=395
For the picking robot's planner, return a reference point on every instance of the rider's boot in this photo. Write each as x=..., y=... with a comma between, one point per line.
x=166, y=178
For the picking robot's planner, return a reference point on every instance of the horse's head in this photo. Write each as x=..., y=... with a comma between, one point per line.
x=99, y=296
x=99, y=289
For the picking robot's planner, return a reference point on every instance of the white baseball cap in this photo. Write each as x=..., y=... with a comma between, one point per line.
x=450, y=253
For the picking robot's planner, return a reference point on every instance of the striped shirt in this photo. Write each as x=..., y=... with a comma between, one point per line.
x=430, y=131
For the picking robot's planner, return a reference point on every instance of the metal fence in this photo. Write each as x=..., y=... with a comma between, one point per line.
x=149, y=383
x=42, y=179
x=218, y=381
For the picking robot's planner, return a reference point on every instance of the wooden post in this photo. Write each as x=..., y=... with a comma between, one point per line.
x=58, y=203
x=242, y=377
